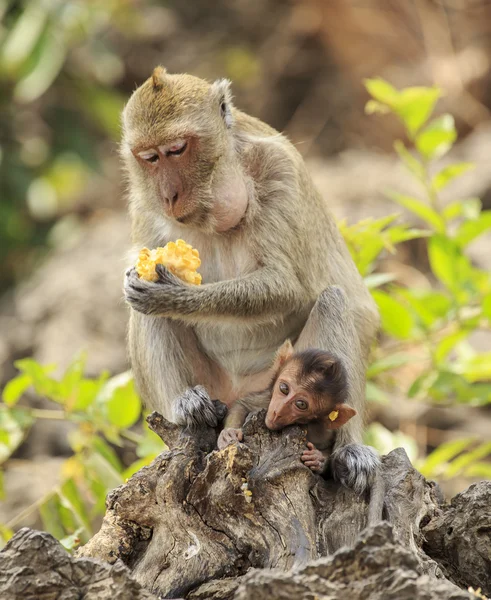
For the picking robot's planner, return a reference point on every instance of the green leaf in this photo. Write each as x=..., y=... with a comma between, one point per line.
x=15, y=388
x=434, y=463
x=480, y=470
x=14, y=424
x=70, y=542
x=415, y=105
x=429, y=305
x=486, y=306
x=102, y=448
x=373, y=107
x=448, y=386
x=382, y=91
x=469, y=208
x=384, y=441
x=377, y=279
x=448, y=174
x=50, y=510
x=469, y=230
x=43, y=384
x=448, y=343
x=137, y=465
x=437, y=138
x=421, y=384
x=467, y=459
x=419, y=208
x=71, y=497
x=119, y=401
x=413, y=165
x=101, y=470
x=396, y=318
x=391, y=361
x=477, y=368
x=448, y=263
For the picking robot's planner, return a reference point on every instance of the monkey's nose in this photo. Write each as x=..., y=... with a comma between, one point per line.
x=171, y=201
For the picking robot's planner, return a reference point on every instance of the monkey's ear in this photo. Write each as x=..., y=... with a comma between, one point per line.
x=222, y=95
x=284, y=353
x=340, y=415
x=158, y=77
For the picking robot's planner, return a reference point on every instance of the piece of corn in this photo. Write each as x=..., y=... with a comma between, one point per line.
x=333, y=415
x=180, y=258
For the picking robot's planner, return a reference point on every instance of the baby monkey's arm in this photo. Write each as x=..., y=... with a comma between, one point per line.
x=232, y=431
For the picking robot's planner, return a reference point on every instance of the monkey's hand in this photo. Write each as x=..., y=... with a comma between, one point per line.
x=313, y=458
x=194, y=408
x=354, y=466
x=229, y=436
x=147, y=296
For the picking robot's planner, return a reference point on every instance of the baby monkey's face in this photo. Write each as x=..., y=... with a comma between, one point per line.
x=301, y=395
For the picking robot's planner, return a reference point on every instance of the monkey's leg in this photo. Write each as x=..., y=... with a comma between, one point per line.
x=331, y=327
x=167, y=362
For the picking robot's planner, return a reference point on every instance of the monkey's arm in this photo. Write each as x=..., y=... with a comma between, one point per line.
x=267, y=291
x=237, y=415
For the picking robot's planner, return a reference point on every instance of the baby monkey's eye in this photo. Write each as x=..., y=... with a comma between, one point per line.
x=301, y=404
x=284, y=389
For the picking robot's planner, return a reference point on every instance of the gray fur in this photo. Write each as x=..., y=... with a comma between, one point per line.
x=355, y=466
x=194, y=408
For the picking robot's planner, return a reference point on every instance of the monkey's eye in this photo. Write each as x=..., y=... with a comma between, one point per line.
x=150, y=156
x=284, y=389
x=301, y=404
x=177, y=148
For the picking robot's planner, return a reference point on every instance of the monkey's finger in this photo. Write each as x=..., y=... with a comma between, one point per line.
x=310, y=446
x=240, y=435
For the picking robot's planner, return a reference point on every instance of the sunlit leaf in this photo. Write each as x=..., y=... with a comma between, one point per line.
x=119, y=400
x=385, y=441
x=413, y=165
x=14, y=424
x=14, y=389
x=448, y=174
x=137, y=465
x=382, y=90
x=396, y=318
x=71, y=495
x=103, y=471
x=469, y=230
x=419, y=208
x=415, y=105
x=477, y=368
x=43, y=384
x=102, y=448
x=469, y=208
x=486, y=306
x=458, y=465
x=50, y=511
x=434, y=463
x=448, y=263
x=429, y=305
x=151, y=444
x=372, y=107
x=437, y=138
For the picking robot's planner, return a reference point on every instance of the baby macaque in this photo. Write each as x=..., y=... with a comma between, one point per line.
x=308, y=388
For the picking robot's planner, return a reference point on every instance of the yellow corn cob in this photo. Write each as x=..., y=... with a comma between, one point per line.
x=180, y=258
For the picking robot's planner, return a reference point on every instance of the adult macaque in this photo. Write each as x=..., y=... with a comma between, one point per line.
x=309, y=388
x=274, y=264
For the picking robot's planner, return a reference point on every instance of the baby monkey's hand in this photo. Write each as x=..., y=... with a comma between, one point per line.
x=313, y=459
x=229, y=436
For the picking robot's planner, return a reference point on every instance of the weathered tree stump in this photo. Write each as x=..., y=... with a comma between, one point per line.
x=253, y=521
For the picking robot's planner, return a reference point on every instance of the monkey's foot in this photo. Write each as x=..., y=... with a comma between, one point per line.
x=313, y=458
x=229, y=436
x=194, y=408
x=354, y=466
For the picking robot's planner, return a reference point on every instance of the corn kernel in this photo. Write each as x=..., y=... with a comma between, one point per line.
x=180, y=258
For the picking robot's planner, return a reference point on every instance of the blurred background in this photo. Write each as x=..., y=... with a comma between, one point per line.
x=66, y=69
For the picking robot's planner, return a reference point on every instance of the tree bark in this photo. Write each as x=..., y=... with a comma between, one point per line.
x=251, y=521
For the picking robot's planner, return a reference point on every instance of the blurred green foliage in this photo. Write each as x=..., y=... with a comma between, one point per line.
x=435, y=324
x=57, y=102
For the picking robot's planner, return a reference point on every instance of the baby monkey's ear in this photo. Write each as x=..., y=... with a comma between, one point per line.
x=284, y=353
x=340, y=415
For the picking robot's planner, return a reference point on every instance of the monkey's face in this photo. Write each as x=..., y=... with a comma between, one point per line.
x=291, y=402
x=179, y=151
